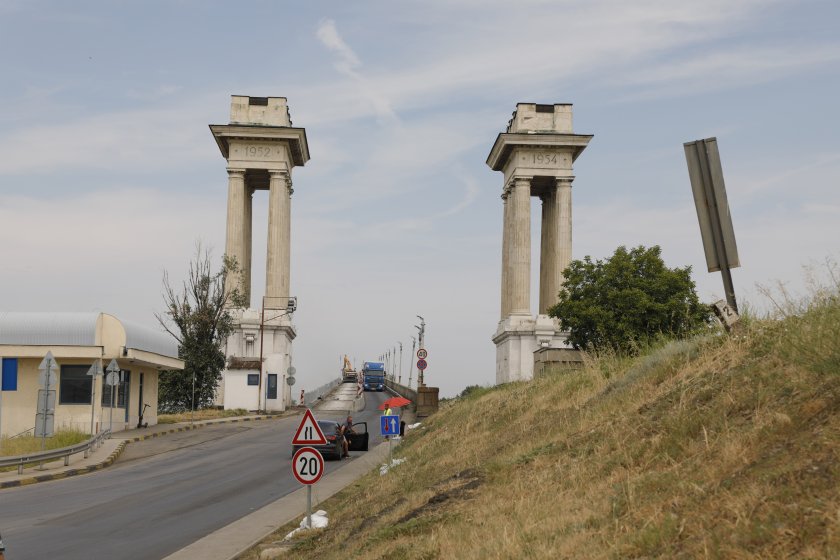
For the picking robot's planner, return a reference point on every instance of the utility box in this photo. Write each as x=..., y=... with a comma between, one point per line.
x=548, y=359
x=427, y=401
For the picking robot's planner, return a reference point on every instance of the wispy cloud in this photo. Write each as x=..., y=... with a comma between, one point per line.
x=348, y=63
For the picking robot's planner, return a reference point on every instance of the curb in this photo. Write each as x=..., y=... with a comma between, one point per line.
x=121, y=447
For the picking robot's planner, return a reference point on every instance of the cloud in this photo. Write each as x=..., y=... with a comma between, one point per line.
x=347, y=64
x=722, y=69
x=328, y=35
x=103, y=249
x=117, y=141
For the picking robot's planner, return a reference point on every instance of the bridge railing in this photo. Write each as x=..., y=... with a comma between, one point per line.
x=401, y=390
x=311, y=395
x=87, y=446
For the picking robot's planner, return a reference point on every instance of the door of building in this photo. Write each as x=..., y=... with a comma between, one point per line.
x=271, y=388
x=140, y=400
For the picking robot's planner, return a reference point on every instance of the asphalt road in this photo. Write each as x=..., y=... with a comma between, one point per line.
x=163, y=494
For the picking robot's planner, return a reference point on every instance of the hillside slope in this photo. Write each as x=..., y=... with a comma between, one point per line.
x=718, y=447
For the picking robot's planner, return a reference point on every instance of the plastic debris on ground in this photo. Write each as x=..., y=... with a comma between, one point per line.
x=413, y=426
x=319, y=521
x=383, y=470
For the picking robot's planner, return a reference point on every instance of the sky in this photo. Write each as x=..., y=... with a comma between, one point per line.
x=109, y=175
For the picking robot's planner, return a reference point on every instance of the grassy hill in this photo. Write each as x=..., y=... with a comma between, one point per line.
x=716, y=447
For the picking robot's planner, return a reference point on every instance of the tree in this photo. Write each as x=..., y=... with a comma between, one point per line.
x=199, y=319
x=627, y=300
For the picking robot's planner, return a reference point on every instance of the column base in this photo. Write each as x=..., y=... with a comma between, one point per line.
x=242, y=352
x=517, y=338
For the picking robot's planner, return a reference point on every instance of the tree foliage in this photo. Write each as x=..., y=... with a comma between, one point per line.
x=197, y=317
x=625, y=301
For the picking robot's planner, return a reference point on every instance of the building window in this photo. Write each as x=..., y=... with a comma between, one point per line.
x=10, y=373
x=253, y=379
x=74, y=385
x=120, y=390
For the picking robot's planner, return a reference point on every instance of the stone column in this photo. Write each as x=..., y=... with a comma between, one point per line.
x=520, y=247
x=506, y=195
x=235, y=242
x=278, y=242
x=246, y=265
x=556, y=249
x=287, y=253
x=549, y=241
x=564, y=205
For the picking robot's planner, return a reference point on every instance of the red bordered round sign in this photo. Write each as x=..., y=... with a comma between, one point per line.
x=307, y=465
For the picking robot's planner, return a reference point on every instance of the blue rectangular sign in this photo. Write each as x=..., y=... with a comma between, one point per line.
x=389, y=425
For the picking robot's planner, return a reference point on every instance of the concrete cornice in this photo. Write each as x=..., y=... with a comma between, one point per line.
x=294, y=137
x=507, y=141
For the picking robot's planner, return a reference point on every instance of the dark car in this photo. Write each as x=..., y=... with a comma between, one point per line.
x=332, y=449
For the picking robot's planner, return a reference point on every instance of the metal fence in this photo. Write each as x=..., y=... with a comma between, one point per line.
x=87, y=446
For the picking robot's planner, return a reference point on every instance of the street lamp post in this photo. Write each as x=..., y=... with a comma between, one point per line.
x=421, y=334
x=399, y=380
x=411, y=361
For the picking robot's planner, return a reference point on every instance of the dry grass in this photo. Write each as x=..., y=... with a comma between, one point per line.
x=10, y=447
x=718, y=447
x=202, y=414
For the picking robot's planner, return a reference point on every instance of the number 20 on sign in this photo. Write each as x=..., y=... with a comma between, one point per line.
x=308, y=465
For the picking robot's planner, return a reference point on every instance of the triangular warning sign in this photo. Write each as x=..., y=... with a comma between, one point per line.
x=309, y=433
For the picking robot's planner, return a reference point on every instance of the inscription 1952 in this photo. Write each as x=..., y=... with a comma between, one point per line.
x=252, y=151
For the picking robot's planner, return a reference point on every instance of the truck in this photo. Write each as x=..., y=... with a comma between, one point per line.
x=374, y=376
x=348, y=374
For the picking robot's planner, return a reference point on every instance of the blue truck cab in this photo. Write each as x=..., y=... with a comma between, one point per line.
x=374, y=373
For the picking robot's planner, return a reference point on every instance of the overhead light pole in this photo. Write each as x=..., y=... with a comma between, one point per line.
x=422, y=336
x=411, y=361
x=399, y=377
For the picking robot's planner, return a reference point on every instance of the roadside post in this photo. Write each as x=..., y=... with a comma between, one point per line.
x=389, y=426
x=45, y=416
x=307, y=463
x=94, y=372
x=709, y=191
x=422, y=364
x=112, y=379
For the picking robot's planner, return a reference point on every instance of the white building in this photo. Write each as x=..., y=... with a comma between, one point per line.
x=78, y=340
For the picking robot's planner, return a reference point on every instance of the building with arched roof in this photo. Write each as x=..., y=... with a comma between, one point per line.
x=77, y=341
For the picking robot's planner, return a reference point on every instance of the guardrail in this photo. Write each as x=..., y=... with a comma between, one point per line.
x=401, y=390
x=311, y=396
x=20, y=460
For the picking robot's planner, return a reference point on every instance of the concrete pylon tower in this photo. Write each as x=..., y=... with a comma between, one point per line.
x=536, y=155
x=261, y=148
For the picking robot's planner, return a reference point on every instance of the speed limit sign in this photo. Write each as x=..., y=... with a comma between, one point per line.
x=422, y=354
x=307, y=465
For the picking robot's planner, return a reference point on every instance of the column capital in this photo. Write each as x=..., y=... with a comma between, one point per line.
x=521, y=179
x=563, y=181
x=235, y=172
x=273, y=173
x=282, y=175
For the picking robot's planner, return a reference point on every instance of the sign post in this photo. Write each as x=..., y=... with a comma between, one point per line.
x=46, y=398
x=94, y=372
x=307, y=463
x=112, y=379
x=389, y=426
x=308, y=466
x=706, y=176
